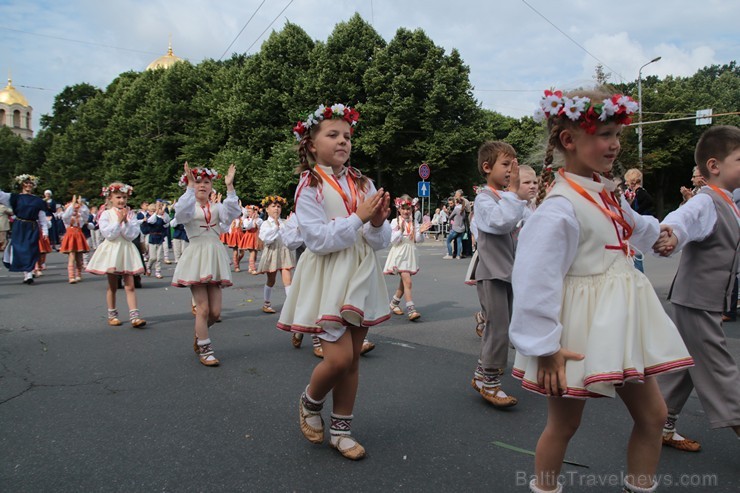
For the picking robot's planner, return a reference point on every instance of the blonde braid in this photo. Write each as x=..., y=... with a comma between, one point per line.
x=304, y=163
x=547, y=175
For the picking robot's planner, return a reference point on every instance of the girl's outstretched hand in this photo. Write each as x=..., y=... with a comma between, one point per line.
x=551, y=371
x=383, y=209
x=190, y=175
x=229, y=179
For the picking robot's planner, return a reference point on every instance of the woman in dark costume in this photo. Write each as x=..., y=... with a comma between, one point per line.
x=30, y=223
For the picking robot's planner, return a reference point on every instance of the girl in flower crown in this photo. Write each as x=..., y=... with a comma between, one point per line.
x=250, y=241
x=405, y=234
x=276, y=256
x=30, y=225
x=338, y=291
x=204, y=265
x=74, y=243
x=585, y=322
x=117, y=255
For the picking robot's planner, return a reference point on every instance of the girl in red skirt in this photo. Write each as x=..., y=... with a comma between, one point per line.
x=74, y=243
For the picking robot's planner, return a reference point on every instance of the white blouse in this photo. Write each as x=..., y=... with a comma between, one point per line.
x=323, y=236
x=111, y=228
x=228, y=210
x=398, y=232
x=270, y=230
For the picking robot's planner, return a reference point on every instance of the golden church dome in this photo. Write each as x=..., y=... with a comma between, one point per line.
x=165, y=61
x=9, y=95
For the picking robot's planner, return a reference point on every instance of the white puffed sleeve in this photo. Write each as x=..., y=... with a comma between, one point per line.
x=547, y=247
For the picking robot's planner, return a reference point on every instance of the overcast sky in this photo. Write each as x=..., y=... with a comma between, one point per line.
x=512, y=51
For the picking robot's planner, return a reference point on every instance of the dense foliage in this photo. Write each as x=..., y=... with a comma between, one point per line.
x=416, y=104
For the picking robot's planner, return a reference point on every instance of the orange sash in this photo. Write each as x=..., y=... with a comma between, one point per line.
x=617, y=218
x=725, y=197
x=495, y=192
x=349, y=204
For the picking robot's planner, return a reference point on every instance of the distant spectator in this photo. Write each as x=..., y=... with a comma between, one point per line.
x=639, y=198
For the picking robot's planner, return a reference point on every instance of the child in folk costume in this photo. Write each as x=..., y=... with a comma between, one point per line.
x=338, y=291
x=250, y=240
x=585, y=322
x=45, y=246
x=498, y=213
x=528, y=189
x=707, y=229
x=234, y=241
x=117, y=255
x=30, y=225
x=204, y=265
x=179, y=236
x=74, y=244
x=405, y=234
x=157, y=222
x=275, y=256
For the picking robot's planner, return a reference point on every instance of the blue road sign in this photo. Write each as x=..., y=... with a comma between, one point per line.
x=424, y=188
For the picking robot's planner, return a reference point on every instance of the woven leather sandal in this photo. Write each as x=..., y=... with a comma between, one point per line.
x=205, y=355
x=138, y=322
x=496, y=400
x=355, y=452
x=114, y=322
x=313, y=435
x=396, y=309
x=685, y=444
x=296, y=340
x=367, y=346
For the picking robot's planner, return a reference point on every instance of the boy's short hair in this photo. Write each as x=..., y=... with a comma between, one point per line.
x=718, y=142
x=489, y=151
x=527, y=169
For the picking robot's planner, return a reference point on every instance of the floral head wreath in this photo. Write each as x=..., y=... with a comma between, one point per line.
x=339, y=111
x=199, y=173
x=32, y=178
x=554, y=105
x=399, y=202
x=117, y=188
x=271, y=199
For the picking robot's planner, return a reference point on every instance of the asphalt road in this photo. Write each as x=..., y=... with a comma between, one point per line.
x=88, y=407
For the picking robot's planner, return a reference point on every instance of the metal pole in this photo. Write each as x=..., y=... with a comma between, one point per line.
x=639, y=109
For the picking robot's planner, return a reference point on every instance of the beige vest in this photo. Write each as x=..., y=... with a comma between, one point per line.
x=598, y=244
x=706, y=273
x=495, y=253
x=198, y=227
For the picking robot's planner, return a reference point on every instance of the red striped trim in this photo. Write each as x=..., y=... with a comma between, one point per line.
x=119, y=273
x=395, y=271
x=670, y=366
x=180, y=283
x=317, y=329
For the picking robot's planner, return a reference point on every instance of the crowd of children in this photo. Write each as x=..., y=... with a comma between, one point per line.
x=584, y=321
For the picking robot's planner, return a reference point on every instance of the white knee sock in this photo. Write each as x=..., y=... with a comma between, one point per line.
x=287, y=290
x=267, y=293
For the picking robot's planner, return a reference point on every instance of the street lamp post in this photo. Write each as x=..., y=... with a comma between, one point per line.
x=639, y=109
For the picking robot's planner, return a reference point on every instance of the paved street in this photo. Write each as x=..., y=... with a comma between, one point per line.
x=88, y=407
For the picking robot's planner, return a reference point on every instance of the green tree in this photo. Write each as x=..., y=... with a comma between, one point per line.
x=12, y=148
x=420, y=108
